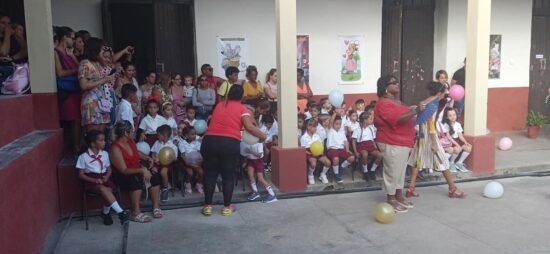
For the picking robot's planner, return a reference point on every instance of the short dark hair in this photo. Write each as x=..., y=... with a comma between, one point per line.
x=93, y=48
x=187, y=129
x=267, y=118
x=63, y=31
x=83, y=32
x=235, y=93
x=382, y=83
x=205, y=66
x=92, y=136
x=127, y=90
x=359, y=101
x=164, y=130
x=190, y=108
x=250, y=69
x=231, y=70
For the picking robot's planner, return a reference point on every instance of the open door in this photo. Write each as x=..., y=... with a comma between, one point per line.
x=539, y=75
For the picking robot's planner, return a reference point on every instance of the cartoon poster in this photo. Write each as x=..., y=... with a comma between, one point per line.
x=494, y=56
x=232, y=51
x=351, y=50
x=302, y=42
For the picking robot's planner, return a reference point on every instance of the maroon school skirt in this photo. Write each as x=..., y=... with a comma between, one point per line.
x=257, y=164
x=340, y=153
x=366, y=146
x=457, y=140
x=151, y=139
x=92, y=186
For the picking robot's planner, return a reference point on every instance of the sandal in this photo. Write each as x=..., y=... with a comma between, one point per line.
x=141, y=218
x=406, y=204
x=157, y=213
x=455, y=193
x=397, y=207
x=411, y=193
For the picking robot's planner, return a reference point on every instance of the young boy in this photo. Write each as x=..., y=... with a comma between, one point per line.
x=255, y=168
x=325, y=106
x=313, y=111
x=188, y=89
x=191, y=112
x=270, y=130
x=360, y=106
x=163, y=140
x=124, y=108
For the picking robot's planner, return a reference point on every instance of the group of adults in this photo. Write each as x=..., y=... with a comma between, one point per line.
x=13, y=46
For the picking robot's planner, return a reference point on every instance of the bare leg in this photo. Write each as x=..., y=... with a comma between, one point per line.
x=107, y=194
x=154, y=193
x=135, y=196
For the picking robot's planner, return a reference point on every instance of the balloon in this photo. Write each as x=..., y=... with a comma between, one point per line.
x=505, y=144
x=493, y=190
x=336, y=98
x=200, y=126
x=143, y=148
x=249, y=138
x=193, y=158
x=316, y=148
x=384, y=213
x=166, y=156
x=456, y=92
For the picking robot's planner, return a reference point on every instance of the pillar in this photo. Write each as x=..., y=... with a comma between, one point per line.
x=478, y=30
x=39, y=32
x=288, y=160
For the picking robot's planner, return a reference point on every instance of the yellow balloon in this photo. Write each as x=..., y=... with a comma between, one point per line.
x=316, y=148
x=384, y=213
x=166, y=156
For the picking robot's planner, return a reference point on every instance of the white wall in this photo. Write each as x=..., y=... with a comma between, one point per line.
x=78, y=15
x=511, y=19
x=322, y=20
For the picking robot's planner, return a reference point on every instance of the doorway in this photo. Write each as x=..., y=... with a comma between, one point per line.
x=539, y=72
x=408, y=45
x=162, y=32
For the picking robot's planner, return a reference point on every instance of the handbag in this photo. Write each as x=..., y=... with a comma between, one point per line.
x=104, y=103
x=18, y=81
x=68, y=83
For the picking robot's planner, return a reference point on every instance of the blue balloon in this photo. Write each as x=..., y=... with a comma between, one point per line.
x=336, y=98
x=200, y=126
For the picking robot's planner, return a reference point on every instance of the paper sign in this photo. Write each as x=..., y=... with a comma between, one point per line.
x=539, y=56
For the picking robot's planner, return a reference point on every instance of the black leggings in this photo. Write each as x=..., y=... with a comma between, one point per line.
x=221, y=156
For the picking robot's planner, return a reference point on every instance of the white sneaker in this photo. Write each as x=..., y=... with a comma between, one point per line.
x=188, y=188
x=310, y=180
x=323, y=178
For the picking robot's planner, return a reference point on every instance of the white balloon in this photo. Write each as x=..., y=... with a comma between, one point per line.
x=249, y=138
x=493, y=190
x=336, y=98
x=143, y=147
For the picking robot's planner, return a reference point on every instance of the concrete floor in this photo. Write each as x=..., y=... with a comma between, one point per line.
x=517, y=223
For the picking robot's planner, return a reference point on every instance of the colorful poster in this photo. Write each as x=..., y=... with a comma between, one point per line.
x=351, y=50
x=232, y=51
x=302, y=42
x=494, y=56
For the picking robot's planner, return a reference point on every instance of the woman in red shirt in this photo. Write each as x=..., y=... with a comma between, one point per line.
x=395, y=137
x=220, y=147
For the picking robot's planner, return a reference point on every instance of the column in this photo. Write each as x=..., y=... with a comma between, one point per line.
x=38, y=19
x=482, y=160
x=288, y=160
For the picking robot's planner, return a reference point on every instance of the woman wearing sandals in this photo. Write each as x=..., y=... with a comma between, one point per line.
x=395, y=137
x=428, y=151
x=130, y=175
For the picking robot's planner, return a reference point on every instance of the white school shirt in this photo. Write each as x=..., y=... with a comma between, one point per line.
x=186, y=147
x=188, y=91
x=258, y=148
x=308, y=115
x=456, y=127
x=336, y=139
x=364, y=134
x=345, y=121
x=171, y=122
x=91, y=163
x=124, y=112
x=269, y=133
x=306, y=140
x=322, y=132
x=150, y=124
x=359, y=112
x=325, y=111
x=192, y=123
x=353, y=126
x=159, y=145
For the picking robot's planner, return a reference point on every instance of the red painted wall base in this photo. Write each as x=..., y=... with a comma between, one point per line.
x=482, y=159
x=289, y=169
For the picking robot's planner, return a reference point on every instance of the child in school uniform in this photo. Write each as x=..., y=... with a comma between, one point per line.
x=338, y=147
x=191, y=146
x=326, y=107
x=168, y=114
x=190, y=114
x=306, y=140
x=124, y=108
x=352, y=124
x=255, y=168
x=363, y=144
x=95, y=171
x=270, y=130
x=163, y=140
x=323, y=127
x=360, y=106
x=150, y=123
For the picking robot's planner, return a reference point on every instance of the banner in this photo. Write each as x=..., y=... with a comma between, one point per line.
x=232, y=51
x=302, y=42
x=351, y=67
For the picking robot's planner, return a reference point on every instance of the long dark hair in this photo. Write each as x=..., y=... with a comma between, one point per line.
x=269, y=74
x=92, y=49
x=446, y=120
x=235, y=93
x=63, y=31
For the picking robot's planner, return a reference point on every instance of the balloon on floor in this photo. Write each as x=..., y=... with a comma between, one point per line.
x=505, y=144
x=384, y=213
x=493, y=190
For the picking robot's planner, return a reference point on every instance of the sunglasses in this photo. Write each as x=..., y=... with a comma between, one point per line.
x=393, y=83
x=106, y=48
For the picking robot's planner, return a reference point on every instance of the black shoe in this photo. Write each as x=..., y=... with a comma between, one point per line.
x=372, y=175
x=338, y=178
x=123, y=217
x=366, y=176
x=107, y=220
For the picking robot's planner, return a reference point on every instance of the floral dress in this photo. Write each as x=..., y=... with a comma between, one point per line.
x=89, y=106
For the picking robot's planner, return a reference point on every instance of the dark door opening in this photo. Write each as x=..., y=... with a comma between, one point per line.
x=539, y=73
x=408, y=45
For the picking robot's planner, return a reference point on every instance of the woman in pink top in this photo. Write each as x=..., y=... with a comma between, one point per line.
x=220, y=147
x=304, y=91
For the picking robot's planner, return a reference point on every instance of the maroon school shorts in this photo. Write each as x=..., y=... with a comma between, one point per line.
x=340, y=153
x=460, y=143
x=257, y=164
x=92, y=186
x=366, y=146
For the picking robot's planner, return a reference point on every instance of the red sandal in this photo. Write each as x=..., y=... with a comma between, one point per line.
x=411, y=193
x=455, y=193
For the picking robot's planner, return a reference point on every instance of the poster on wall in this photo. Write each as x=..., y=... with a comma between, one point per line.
x=494, y=56
x=302, y=42
x=232, y=51
x=351, y=68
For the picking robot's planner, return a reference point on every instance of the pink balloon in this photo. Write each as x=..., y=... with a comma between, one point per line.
x=505, y=144
x=456, y=92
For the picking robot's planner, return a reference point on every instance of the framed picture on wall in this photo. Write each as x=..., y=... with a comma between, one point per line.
x=302, y=58
x=351, y=55
x=495, y=56
x=232, y=51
